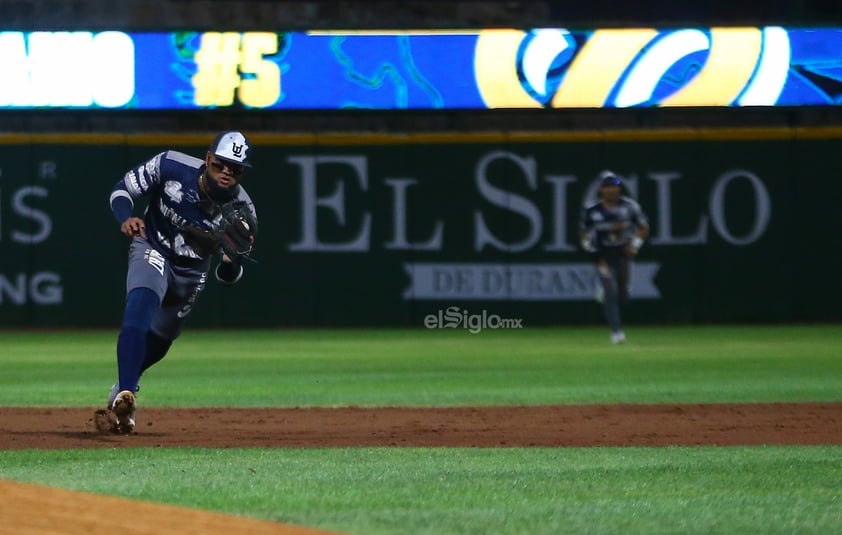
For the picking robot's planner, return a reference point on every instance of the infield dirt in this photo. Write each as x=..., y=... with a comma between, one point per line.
x=530, y=426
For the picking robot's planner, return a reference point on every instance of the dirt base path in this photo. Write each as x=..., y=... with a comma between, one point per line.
x=36, y=510
x=552, y=426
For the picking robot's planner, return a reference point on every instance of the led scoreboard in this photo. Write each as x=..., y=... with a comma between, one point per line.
x=422, y=69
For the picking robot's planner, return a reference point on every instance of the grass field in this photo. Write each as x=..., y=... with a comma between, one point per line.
x=456, y=490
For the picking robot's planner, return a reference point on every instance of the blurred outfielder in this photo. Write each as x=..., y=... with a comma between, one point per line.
x=196, y=210
x=612, y=231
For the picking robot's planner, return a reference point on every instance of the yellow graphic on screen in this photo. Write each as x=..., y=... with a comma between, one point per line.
x=495, y=60
x=600, y=64
x=231, y=65
x=623, y=67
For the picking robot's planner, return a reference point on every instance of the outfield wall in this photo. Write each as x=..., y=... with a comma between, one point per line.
x=403, y=229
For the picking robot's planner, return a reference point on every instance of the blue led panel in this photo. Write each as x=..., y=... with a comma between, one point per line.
x=399, y=70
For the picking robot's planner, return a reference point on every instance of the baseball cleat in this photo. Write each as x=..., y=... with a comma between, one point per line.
x=112, y=394
x=618, y=337
x=123, y=408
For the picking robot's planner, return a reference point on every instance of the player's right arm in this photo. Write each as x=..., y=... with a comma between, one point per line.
x=136, y=183
x=586, y=237
x=133, y=226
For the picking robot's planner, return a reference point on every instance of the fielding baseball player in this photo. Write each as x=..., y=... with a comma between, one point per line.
x=612, y=231
x=196, y=210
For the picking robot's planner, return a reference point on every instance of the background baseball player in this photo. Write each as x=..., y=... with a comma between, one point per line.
x=196, y=210
x=612, y=231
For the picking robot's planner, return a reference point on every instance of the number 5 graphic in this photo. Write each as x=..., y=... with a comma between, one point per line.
x=263, y=87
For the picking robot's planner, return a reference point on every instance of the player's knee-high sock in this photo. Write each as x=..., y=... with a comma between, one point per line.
x=156, y=349
x=623, y=274
x=141, y=304
x=611, y=307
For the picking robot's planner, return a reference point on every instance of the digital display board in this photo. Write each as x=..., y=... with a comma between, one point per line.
x=417, y=70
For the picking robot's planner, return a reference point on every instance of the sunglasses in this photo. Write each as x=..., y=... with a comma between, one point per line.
x=236, y=170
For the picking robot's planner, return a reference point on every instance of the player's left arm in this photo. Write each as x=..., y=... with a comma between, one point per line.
x=230, y=269
x=641, y=231
x=228, y=272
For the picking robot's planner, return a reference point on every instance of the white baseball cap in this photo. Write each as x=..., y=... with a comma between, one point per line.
x=232, y=147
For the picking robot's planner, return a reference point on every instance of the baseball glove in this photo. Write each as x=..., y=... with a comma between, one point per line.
x=237, y=230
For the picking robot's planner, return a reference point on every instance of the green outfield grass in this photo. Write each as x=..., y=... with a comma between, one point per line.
x=436, y=367
x=455, y=490
x=766, y=490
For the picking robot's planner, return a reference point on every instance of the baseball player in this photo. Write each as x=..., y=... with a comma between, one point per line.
x=612, y=230
x=196, y=210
